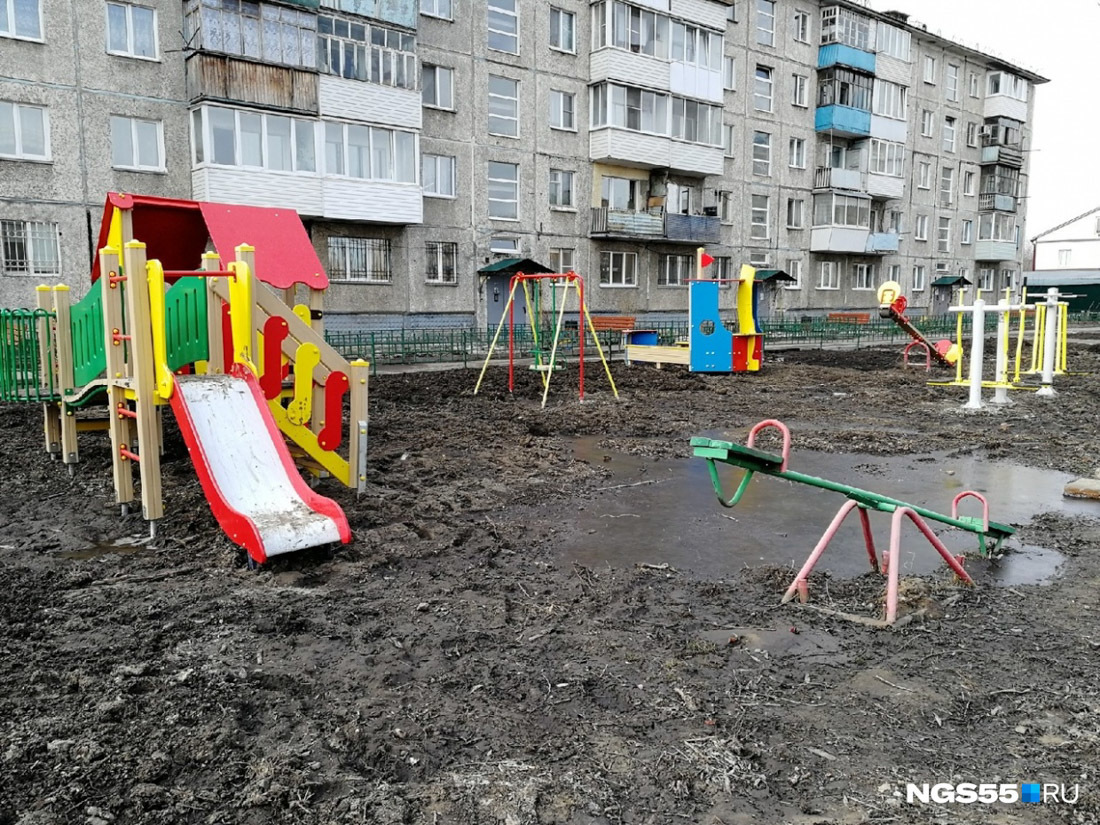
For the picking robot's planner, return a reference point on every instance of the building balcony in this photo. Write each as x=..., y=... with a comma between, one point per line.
x=993, y=202
x=225, y=79
x=882, y=243
x=1002, y=156
x=843, y=121
x=839, y=54
x=654, y=225
x=995, y=251
x=645, y=151
x=885, y=187
x=1005, y=106
x=850, y=239
x=826, y=177
x=370, y=102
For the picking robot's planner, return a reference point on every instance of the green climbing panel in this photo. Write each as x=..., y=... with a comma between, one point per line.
x=23, y=376
x=89, y=353
x=185, y=319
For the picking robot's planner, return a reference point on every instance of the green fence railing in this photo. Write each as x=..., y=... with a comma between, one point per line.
x=24, y=376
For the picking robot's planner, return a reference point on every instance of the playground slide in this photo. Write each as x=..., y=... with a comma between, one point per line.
x=249, y=478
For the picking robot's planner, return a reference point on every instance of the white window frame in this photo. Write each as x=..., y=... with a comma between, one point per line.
x=726, y=208
x=436, y=6
x=924, y=174
x=920, y=228
x=763, y=90
x=368, y=251
x=943, y=235
x=890, y=100
x=764, y=156
x=950, y=133
x=557, y=188
x=508, y=8
x=930, y=70
x=828, y=276
x=920, y=278
x=504, y=245
x=563, y=16
x=558, y=254
x=796, y=213
x=927, y=123
x=801, y=26
x=514, y=117
x=442, y=163
x=160, y=168
x=610, y=257
x=886, y=158
x=11, y=33
x=800, y=94
x=675, y=269
x=558, y=110
x=26, y=230
x=794, y=269
x=975, y=85
x=758, y=259
x=947, y=185
x=893, y=41
x=760, y=217
x=129, y=51
x=765, y=22
x=436, y=256
x=966, y=233
x=729, y=73
x=863, y=274
x=796, y=153
x=20, y=153
x=514, y=181
x=971, y=134
x=951, y=81
x=986, y=276
x=438, y=72
x=728, y=139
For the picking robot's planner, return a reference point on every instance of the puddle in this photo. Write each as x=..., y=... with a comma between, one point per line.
x=121, y=547
x=665, y=512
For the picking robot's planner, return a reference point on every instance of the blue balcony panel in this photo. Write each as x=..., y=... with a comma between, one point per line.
x=837, y=54
x=843, y=121
x=882, y=242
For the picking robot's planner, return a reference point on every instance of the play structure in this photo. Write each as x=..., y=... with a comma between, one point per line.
x=892, y=305
x=1048, y=345
x=990, y=534
x=561, y=285
x=256, y=391
x=711, y=346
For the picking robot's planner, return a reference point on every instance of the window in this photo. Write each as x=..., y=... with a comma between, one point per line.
x=561, y=259
x=758, y=259
x=997, y=226
x=930, y=70
x=373, y=54
x=442, y=259
x=758, y=228
x=21, y=18
x=263, y=32
x=827, y=275
x=949, y=134
x=797, y=153
x=720, y=270
x=503, y=26
x=845, y=26
x=620, y=194
x=920, y=232
x=729, y=74
x=24, y=131
x=893, y=224
x=504, y=245
x=727, y=139
x=972, y=134
x=943, y=235
x=644, y=111
x=1064, y=256
x=924, y=175
x=436, y=8
x=438, y=87
x=893, y=41
x=1002, y=83
x=726, y=207
x=131, y=30
x=359, y=259
x=763, y=90
x=895, y=273
x=1008, y=279
x=618, y=269
x=800, y=31
x=503, y=106
x=137, y=144
x=799, y=96
x=835, y=209
x=796, y=209
x=30, y=248
x=966, y=235
x=920, y=278
x=562, y=105
x=503, y=190
x=675, y=270
x=561, y=189
x=843, y=87
x=437, y=175
x=947, y=186
x=887, y=158
x=691, y=121
x=951, y=81
x=863, y=276
x=563, y=28
x=646, y=32
x=679, y=198
x=765, y=22
x=761, y=154
x=974, y=87
x=985, y=279
x=794, y=269
x=890, y=100
x=926, y=123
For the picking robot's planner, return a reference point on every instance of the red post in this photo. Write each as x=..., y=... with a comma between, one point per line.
x=581, y=328
x=511, y=332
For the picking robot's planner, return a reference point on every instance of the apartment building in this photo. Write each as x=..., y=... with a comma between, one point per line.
x=421, y=144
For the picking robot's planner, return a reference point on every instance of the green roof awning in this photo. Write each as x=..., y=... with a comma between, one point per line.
x=951, y=280
x=510, y=266
x=772, y=275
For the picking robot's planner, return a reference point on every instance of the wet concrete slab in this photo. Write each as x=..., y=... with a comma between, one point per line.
x=665, y=512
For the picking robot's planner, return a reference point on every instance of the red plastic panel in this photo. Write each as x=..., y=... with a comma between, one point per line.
x=271, y=382
x=336, y=387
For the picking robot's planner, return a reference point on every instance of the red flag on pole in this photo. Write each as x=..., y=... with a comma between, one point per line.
x=706, y=260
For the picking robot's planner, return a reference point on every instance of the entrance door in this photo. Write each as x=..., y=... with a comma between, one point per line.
x=496, y=299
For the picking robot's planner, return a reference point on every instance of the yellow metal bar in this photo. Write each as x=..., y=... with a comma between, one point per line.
x=599, y=349
x=1020, y=333
x=1039, y=346
x=158, y=318
x=959, y=343
x=493, y=346
x=1063, y=339
x=557, y=337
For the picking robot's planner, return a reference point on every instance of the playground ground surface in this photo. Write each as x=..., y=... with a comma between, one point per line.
x=450, y=667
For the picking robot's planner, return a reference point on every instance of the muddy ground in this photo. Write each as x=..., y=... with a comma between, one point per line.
x=447, y=667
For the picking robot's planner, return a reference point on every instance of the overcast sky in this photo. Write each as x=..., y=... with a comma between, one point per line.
x=1059, y=39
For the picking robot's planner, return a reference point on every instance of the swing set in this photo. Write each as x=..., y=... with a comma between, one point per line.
x=546, y=364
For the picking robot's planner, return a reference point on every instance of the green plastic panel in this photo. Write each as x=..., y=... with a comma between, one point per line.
x=185, y=318
x=22, y=377
x=89, y=353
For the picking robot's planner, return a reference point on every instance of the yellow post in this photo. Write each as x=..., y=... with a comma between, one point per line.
x=51, y=410
x=143, y=383
x=159, y=323
x=599, y=349
x=1020, y=333
x=357, y=428
x=1039, y=344
x=493, y=345
x=120, y=429
x=215, y=365
x=70, y=452
x=959, y=339
x=240, y=308
x=1063, y=339
x=557, y=336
